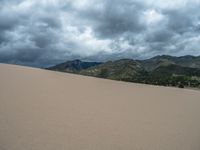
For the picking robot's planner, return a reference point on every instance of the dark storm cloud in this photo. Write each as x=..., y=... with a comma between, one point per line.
x=112, y=18
x=44, y=32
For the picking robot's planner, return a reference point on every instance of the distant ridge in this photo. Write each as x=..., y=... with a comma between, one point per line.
x=73, y=66
x=164, y=70
x=186, y=61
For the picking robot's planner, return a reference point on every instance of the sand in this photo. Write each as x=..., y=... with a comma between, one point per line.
x=46, y=110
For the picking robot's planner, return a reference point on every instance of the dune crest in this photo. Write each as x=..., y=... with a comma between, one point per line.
x=46, y=110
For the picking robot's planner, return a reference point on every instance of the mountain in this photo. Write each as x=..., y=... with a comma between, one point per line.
x=73, y=66
x=124, y=69
x=164, y=60
x=160, y=70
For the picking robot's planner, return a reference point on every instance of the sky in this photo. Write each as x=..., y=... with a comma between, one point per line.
x=46, y=32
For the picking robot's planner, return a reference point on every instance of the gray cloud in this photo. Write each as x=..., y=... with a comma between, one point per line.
x=44, y=32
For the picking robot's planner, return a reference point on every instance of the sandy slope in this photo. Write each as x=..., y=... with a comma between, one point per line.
x=45, y=110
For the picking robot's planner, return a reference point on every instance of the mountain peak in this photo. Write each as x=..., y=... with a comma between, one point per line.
x=73, y=66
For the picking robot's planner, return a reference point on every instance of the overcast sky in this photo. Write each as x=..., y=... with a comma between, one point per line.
x=45, y=32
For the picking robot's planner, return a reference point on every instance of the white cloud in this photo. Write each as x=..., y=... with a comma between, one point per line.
x=152, y=17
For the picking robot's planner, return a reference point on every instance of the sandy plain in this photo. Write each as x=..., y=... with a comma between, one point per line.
x=46, y=110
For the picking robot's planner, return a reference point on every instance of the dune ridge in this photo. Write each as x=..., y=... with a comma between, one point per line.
x=47, y=110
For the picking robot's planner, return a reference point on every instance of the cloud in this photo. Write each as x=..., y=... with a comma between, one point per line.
x=45, y=32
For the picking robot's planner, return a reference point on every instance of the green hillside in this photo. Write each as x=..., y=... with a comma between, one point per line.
x=124, y=69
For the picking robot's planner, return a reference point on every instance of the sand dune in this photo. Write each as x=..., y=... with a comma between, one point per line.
x=46, y=110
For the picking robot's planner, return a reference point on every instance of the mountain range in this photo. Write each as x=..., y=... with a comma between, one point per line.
x=163, y=70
